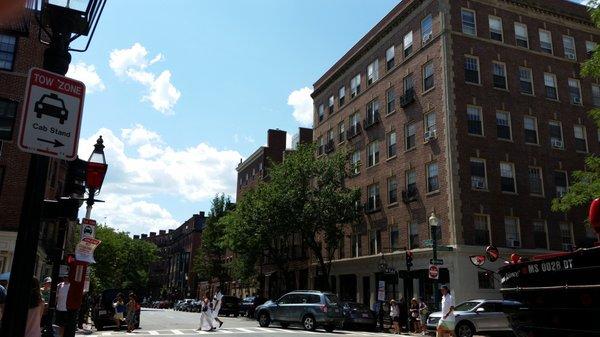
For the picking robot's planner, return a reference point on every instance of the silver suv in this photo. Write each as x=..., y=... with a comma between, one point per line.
x=309, y=308
x=475, y=316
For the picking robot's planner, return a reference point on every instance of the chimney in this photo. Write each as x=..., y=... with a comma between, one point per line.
x=144, y=236
x=162, y=232
x=152, y=234
x=136, y=237
x=276, y=139
x=171, y=231
x=201, y=214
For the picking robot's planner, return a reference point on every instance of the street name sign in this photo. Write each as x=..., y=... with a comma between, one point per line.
x=51, y=115
x=437, y=262
x=434, y=272
x=428, y=243
x=88, y=228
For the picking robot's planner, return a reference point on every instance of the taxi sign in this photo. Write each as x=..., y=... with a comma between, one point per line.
x=51, y=116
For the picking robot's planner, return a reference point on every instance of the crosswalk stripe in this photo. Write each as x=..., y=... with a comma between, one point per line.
x=264, y=329
x=177, y=332
x=153, y=332
x=243, y=330
x=284, y=330
x=224, y=331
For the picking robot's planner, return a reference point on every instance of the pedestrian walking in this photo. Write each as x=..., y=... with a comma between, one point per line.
x=62, y=315
x=413, y=318
x=447, y=322
x=119, y=305
x=131, y=307
x=395, y=316
x=217, y=301
x=423, y=313
x=35, y=312
x=206, y=320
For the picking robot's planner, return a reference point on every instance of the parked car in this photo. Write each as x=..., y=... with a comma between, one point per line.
x=103, y=312
x=478, y=317
x=176, y=306
x=187, y=304
x=230, y=306
x=309, y=308
x=358, y=315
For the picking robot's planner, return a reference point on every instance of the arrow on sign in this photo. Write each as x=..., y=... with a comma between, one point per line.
x=56, y=143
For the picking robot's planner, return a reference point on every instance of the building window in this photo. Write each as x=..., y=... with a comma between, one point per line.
x=408, y=43
x=433, y=183
x=472, y=70
x=485, y=280
x=495, y=28
x=321, y=145
x=411, y=180
x=8, y=112
x=413, y=235
x=375, y=242
x=390, y=57
x=372, y=113
x=331, y=103
x=566, y=236
x=596, y=95
x=590, y=47
x=525, y=81
x=426, y=29
x=550, y=84
x=372, y=72
x=321, y=112
x=391, y=142
x=540, y=238
x=468, y=22
x=341, y=132
x=410, y=132
x=507, y=178
x=395, y=238
x=546, y=41
x=513, y=232
x=569, y=47
x=373, y=195
x=356, y=245
x=7, y=51
x=355, y=86
x=580, y=138
x=373, y=154
x=499, y=75
x=521, y=35
x=392, y=185
x=556, y=135
x=342, y=95
x=391, y=101
x=355, y=162
x=503, y=129
x=561, y=183
x=408, y=83
x=531, y=130
x=575, y=92
x=474, y=120
x=481, y=223
x=430, y=128
x=428, y=80
x=536, y=182
x=478, y=174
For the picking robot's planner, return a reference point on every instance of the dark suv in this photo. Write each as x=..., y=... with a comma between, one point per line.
x=309, y=308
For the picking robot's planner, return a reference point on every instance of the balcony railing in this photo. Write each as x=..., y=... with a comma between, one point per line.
x=407, y=98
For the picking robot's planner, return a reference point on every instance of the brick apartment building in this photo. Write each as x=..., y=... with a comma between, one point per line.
x=172, y=274
x=250, y=172
x=474, y=110
x=20, y=50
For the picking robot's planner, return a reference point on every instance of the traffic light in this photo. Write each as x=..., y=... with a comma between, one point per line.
x=75, y=179
x=409, y=259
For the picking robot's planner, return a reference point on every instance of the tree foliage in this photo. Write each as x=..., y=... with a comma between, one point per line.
x=585, y=185
x=121, y=262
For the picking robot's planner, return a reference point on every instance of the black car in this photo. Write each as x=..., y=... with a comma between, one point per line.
x=103, y=312
x=358, y=315
x=230, y=306
x=51, y=105
x=249, y=303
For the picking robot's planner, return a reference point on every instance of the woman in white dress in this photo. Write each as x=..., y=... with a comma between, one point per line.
x=206, y=318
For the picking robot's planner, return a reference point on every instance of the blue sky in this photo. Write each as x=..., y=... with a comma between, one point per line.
x=181, y=92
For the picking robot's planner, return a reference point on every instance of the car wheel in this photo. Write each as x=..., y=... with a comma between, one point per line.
x=263, y=319
x=329, y=328
x=285, y=325
x=308, y=322
x=465, y=330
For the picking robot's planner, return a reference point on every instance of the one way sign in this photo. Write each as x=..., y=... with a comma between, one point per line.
x=51, y=115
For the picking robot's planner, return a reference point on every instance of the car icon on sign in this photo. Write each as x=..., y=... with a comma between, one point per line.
x=53, y=106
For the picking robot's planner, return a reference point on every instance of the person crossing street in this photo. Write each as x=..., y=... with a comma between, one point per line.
x=217, y=301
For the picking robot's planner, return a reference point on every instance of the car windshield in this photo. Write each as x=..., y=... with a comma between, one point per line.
x=332, y=299
x=466, y=306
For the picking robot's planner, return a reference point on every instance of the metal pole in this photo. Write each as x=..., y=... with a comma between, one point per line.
x=90, y=203
x=57, y=257
x=436, y=290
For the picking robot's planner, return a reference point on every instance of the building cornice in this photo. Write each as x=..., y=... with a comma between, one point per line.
x=243, y=165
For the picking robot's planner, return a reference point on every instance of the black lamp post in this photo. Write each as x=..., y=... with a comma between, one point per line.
x=434, y=223
x=61, y=22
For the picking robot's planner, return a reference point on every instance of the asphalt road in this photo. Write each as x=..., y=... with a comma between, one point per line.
x=156, y=322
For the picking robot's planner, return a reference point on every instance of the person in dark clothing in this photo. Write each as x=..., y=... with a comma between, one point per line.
x=403, y=314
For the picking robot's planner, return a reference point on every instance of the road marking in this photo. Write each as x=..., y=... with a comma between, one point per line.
x=284, y=330
x=153, y=332
x=177, y=332
x=224, y=331
x=264, y=329
x=244, y=330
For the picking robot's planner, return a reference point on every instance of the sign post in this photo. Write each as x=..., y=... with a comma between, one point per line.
x=88, y=228
x=434, y=272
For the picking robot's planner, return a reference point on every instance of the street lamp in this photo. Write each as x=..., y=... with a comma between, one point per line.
x=434, y=224
x=95, y=172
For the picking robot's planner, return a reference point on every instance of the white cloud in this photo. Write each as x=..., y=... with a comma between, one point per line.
x=288, y=140
x=248, y=139
x=87, y=74
x=133, y=63
x=302, y=103
x=142, y=167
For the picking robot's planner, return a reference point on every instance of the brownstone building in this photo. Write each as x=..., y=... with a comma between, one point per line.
x=20, y=50
x=474, y=110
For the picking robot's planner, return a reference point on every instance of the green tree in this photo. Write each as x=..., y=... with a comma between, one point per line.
x=585, y=184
